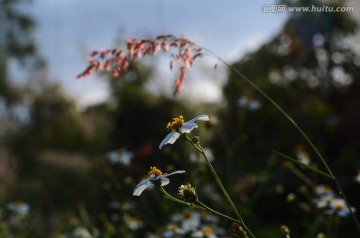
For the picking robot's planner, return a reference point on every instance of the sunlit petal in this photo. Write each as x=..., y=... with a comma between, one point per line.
x=139, y=189
x=188, y=127
x=169, y=139
x=144, y=181
x=165, y=181
x=176, y=172
x=200, y=118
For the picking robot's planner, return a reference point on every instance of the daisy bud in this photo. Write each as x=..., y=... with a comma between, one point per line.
x=195, y=140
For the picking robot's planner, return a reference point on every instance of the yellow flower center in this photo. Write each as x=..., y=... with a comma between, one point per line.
x=19, y=202
x=176, y=123
x=339, y=206
x=155, y=171
x=171, y=227
x=208, y=230
x=187, y=215
x=250, y=99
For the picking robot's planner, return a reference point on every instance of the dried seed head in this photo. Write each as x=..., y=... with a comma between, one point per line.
x=237, y=231
x=188, y=193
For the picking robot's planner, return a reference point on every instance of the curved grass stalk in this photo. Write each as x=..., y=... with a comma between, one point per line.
x=291, y=120
x=312, y=168
x=198, y=147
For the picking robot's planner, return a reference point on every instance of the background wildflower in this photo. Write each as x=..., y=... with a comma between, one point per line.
x=338, y=207
x=301, y=154
x=133, y=222
x=120, y=156
x=249, y=103
x=18, y=208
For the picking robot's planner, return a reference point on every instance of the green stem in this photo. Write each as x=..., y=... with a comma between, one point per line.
x=295, y=125
x=201, y=150
x=218, y=213
x=198, y=147
x=302, y=164
x=203, y=206
x=241, y=222
x=302, y=176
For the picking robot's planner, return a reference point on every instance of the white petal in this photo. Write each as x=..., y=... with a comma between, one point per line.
x=159, y=177
x=144, y=184
x=165, y=181
x=176, y=172
x=187, y=127
x=144, y=181
x=200, y=118
x=169, y=139
x=139, y=189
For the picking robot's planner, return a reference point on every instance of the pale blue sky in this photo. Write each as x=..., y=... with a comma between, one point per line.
x=69, y=29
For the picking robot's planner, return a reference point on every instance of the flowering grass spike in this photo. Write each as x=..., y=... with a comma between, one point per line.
x=118, y=60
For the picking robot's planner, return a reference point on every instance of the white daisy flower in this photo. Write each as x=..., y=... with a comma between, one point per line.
x=155, y=176
x=120, y=156
x=133, y=223
x=208, y=231
x=81, y=232
x=323, y=191
x=249, y=103
x=18, y=207
x=338, y=206
x=178, y=127
x=302, y=155
x=323, y=201
x=324, y=195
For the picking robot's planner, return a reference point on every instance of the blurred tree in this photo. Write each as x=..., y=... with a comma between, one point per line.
x=16, y=45
x=16, y=42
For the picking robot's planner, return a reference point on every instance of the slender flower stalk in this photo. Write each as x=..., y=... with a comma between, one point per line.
x=202, y=205
x=178, y=200
x=216, y=212
x=304, y=165
x=198, y=147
